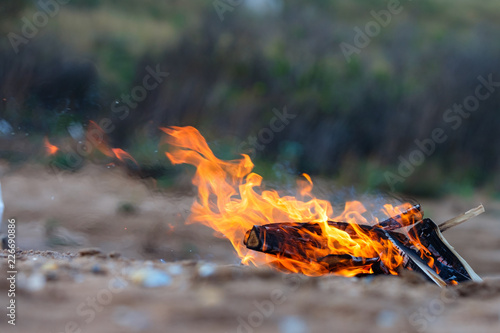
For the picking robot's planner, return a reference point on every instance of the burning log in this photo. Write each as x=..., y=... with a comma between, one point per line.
x=305, y=242
x=272, y=238
x=286, y=239
x=420, y=244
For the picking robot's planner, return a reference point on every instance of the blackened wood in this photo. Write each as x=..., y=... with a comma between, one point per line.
x=434, y=258
x=304, y=242
x=337, y=262
x=413, y=259
x=293, y=237
x=273, y=238
x=450, y=265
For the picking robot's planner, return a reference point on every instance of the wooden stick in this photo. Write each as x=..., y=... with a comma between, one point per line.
x=451, y=222
x=461, y=218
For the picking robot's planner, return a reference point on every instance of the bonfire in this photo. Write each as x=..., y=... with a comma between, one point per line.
x=303, y=233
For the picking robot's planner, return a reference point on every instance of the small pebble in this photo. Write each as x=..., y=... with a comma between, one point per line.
x=98, y=269
x=206, y=269
x=89, y=252
x=51, y=276
x=35, y=282
x=49, y=266
x=151, y=278
x=293, y=324
x=115, y=255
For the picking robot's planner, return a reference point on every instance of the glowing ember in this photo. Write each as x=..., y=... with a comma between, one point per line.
x=231, y=200
x=50, y=148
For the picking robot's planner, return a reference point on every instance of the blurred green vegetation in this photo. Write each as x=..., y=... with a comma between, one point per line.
x=354, y=120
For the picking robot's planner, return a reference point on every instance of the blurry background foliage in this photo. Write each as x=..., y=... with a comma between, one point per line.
x=353, y=120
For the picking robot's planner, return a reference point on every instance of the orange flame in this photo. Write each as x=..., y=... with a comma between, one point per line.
x=50, y=148
x=231, y=200
x=99, y=139
x=123, y=155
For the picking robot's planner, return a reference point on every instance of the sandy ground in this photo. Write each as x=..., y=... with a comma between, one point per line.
x=153, y=273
